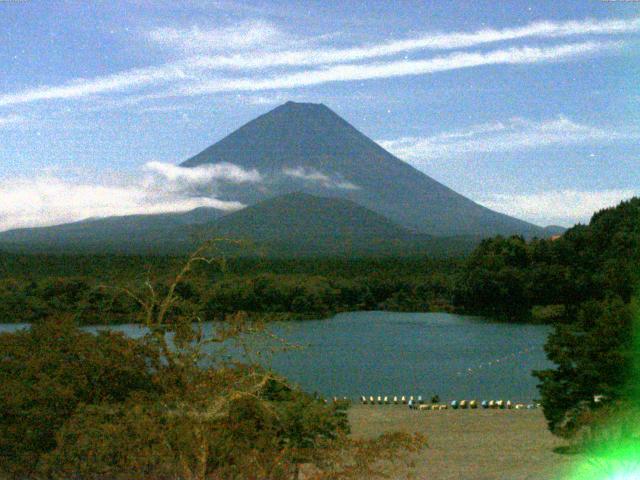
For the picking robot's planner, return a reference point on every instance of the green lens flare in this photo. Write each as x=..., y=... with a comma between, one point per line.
x=620, y=460
x=618, y=457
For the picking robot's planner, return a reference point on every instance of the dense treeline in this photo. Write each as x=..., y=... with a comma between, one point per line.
x=510, y=277
x=105, y=267
x=306, y=295
x=584, y=282
x=33, y=287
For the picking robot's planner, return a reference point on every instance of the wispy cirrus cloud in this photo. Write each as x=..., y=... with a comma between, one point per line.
x=266, y=47
x=511, y=135
x=400, y=68
x=251, y=34
x=50, y=199
x=431, y=41
x=80, y=88
x=561, y=207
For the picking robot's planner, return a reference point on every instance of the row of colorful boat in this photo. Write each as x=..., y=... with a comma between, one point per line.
x=419, y=403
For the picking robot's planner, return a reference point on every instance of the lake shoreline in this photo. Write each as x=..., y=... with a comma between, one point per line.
x=271, y=317
x=394, y=354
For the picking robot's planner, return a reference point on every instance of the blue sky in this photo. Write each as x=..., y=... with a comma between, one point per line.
x=529, y=107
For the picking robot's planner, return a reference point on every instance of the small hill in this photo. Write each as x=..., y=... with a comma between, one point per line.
x=299, y=224
x=304, y=217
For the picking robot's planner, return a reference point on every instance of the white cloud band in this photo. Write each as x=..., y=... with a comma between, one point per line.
x=314, y=176
x=203, y=174
x=352, y=72
x=562, y=207
x=51, y=200
x=244, y=35
x=193, y=38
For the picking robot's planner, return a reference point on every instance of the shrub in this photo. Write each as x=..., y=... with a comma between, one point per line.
x=48, y=370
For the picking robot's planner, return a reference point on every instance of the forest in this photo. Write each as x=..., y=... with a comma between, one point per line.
x=34, y=286
x=505, y=278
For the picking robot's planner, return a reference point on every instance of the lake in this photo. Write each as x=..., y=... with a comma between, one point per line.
x=386, y=353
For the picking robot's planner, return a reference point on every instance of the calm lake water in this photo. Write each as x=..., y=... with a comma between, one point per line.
x=385, y=353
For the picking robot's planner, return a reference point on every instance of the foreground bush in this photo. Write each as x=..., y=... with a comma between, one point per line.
x=77, y=405
x=138, y=439
x=47, y=371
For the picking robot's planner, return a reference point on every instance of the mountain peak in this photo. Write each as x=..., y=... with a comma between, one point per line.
x=291, y=135
x=302, y=111
x=307, y=105
x=309, y=108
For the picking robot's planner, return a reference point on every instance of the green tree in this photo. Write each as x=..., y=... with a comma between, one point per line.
x=593, y=358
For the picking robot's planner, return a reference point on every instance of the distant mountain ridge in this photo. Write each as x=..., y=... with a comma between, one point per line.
x=291, y=225
x=130, y=233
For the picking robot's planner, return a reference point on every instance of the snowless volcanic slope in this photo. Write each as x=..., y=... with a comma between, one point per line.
x=309, y=148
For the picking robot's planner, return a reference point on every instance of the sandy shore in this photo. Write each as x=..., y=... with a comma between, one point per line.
x=471, y=444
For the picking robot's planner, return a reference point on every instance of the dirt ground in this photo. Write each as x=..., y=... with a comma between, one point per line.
x=471, y=444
